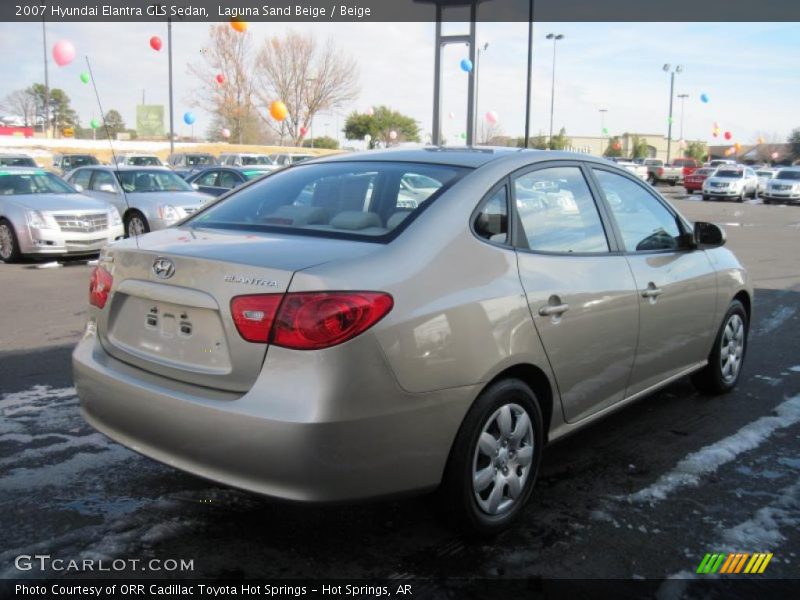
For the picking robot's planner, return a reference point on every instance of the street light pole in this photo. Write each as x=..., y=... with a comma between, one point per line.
x=171, y=118
x=46, y=124
x=683, y=98
x=602, y=112
x=555, y=37
x=668, y=69
x=528, y=84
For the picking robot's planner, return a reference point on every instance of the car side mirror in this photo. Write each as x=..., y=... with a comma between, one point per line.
x=195, y=186
x=708, y=235
x=107, y=187
x=78, y=186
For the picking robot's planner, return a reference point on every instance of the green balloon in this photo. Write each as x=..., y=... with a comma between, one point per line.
x=669, y=120
x=463, y=136
x=94, y=123
x=605, y=131
x=85, y=77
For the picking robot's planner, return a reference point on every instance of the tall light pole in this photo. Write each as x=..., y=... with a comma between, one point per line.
x=528, y=83
x=477, y=82
x=555, y=37
x=668, y=69
x=171, y=118
x=46, y=124
x=683, y=98
x=602, y=112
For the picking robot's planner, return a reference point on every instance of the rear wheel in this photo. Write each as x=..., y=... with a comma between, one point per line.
x=724, y=366
x=743, y=196
x=9, y=246
x=705, y=197
x=136, y=224
x=495, y=459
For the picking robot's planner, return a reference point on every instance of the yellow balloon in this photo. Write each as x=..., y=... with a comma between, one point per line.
x=278, y=110
x=239, y=25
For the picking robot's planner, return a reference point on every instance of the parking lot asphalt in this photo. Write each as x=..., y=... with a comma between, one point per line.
x=646, y=492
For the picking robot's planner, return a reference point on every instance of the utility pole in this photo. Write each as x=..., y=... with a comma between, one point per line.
x=46, y=124
x=530, y=69
x=668, y=69
x=555, y=37
x=683, y=97
x=171, y=117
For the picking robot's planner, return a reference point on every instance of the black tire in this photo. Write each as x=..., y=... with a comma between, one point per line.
x=710, y=379
x=136, y=215
x=743, y=196
x=705, y=198
x=456, y=495
x=651, y=179
x=766, y=201
x=13, y=255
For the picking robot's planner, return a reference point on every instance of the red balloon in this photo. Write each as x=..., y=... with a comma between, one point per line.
x=220, y=78
x=303, y=131
x=728, y=135
x=155, y=43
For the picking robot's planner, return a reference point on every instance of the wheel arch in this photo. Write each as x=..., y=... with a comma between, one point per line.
x=743, y=297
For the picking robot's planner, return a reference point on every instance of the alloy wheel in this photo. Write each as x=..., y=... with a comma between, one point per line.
x=732, y=348
x=6, y=242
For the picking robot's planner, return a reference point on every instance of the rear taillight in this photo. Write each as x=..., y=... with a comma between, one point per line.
x=99, y=286
x=308, y=320
x=254, y=315
x=660, y=171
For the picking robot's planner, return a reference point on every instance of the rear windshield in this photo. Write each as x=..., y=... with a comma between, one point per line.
x=196, y=160
x=17, y=161
x=344, y=199
x=140, y=182
x=788, y=175
x=704, y=171
x=144, y=161
x=256, y=160
x=14, y=183
x=79, y=160
x=764, y=173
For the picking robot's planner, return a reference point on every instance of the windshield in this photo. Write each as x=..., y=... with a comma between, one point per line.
x=704, y=171
x=200, y=160
x=764, y=173
x=297, y=159
x=17, y=161
x=730, y=173
x=144, y=161
x=81, y=160
x=262, y=159
x=361, y=199
x=14, y=183
x=142, y=182
x=788, y=175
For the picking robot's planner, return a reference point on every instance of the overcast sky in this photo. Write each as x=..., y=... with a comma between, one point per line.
x=750, y=73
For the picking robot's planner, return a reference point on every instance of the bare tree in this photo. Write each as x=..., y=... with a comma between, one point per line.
x=21, y=103
x=229, y=55
x=768, y=144
x=489, y=132
x=306, y=76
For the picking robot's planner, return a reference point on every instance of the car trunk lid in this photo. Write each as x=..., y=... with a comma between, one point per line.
x=169, y=311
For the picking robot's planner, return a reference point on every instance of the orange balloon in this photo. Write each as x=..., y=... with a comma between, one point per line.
x=239, y=25
x=278, y=110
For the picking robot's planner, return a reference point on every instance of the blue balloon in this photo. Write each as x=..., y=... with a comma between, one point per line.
x=189, y=118
x=466, y=65
x=704, y=98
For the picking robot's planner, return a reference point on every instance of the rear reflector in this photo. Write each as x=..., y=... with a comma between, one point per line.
x=100, y=284
x=253, y=315
x=308, y=320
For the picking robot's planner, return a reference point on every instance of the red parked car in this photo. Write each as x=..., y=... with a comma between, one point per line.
x=694, y=182
x=689, y=165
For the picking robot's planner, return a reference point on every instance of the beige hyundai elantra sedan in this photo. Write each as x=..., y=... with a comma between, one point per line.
x=313, y=337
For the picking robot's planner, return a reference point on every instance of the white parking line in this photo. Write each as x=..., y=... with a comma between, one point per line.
x=709, y=458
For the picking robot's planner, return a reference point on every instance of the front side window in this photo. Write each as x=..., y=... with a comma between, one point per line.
x=81, y=178
x=103, y=181
x=207, y=179
x=644, y=222
x=557, y=211
x=359, y=199
x=491, y=222
x=227, y=180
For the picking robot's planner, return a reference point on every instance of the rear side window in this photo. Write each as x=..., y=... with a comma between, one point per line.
x=491, y=221
x=558, y=213
x=82, y=178
x=340, y=199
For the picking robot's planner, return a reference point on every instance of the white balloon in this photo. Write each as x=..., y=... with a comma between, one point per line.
x=392, y=135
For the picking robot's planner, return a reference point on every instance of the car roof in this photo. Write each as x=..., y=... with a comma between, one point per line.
x=8, y=155
x=20, y=168
x=470, y=157
x=126, y=168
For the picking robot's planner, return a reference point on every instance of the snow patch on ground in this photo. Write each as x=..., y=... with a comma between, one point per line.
x=763, y=531
x=777, y=318
x=709, y=458
x=795, y=369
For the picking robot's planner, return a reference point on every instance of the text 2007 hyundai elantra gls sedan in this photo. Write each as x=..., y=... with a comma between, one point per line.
x=311, y=337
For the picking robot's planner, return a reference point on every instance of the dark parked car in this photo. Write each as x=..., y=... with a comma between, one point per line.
x=218, y=180
x=186, y=163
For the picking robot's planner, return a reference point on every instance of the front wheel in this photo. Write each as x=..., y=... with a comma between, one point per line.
x=136, y=224
x=495, y=459
x=9, y=246
x=724, y=366
x=705, y=197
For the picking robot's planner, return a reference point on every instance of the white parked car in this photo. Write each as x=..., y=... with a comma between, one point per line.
x=764, y=175
x=41, y=214
x=139, y=160
x=731, y=182
x=784, y=187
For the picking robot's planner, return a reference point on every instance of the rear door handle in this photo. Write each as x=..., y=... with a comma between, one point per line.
x=550, y=309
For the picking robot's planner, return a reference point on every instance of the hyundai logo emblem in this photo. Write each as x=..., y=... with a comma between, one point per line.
x=164, y=268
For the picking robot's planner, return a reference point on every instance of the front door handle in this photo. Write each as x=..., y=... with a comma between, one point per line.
x=553, y=309
x=652, y=291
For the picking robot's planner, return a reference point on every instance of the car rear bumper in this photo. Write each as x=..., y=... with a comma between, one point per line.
x=400, y=442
